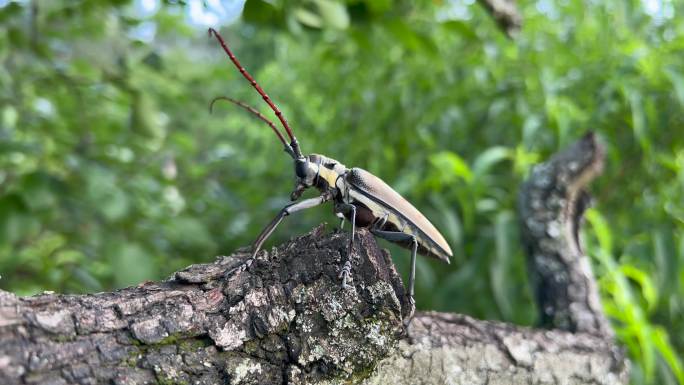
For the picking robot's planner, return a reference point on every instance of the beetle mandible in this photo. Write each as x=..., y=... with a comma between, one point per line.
x=358, y=196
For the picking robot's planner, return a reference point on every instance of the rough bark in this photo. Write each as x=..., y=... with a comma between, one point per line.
x=284, y=318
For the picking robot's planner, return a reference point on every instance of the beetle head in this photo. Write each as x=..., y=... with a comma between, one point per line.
x=306, y=172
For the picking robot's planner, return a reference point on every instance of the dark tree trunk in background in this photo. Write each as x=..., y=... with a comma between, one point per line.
x=284, y=318
x=506, y=15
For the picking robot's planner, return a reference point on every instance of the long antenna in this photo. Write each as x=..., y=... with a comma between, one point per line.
x=259, y=115
x=294, y=144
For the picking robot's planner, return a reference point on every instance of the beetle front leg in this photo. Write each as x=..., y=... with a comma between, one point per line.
x=350, y=209
x=396, y=236
x=287, y=210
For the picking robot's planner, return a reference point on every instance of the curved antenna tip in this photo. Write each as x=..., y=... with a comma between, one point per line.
x=211, y=104
x=288, y=148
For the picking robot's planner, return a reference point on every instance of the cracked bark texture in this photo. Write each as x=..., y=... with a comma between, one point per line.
x=283, y=318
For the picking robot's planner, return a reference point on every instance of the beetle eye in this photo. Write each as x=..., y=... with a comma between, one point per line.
x=300, y=168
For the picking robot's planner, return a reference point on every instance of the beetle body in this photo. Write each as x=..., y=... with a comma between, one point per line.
x=358, y=196
x=378, y=206
x=368, y=191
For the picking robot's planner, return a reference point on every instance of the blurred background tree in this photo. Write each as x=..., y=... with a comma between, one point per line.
x=112, y=170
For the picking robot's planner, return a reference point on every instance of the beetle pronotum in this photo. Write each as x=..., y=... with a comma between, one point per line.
x=358, y=196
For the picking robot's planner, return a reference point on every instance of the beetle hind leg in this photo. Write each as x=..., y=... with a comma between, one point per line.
x=397, y=236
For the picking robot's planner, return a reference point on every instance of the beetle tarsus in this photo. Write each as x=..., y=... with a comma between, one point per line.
x=345, y=275
x=411, y=313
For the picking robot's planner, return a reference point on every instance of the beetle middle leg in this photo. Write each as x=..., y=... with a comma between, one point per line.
x=397, y=236
x=346, y=208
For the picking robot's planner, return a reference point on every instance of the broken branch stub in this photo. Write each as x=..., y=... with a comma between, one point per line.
x=551, y=204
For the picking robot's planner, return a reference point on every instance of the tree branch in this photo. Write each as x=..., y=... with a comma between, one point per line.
x=284, y=318
x=280, y=316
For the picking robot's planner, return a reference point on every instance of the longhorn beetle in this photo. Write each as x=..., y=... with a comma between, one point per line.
x=358, y=196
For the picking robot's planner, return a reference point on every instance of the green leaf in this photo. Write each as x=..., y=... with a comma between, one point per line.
x=37, y=190
x=333, y=13
x=263, y=12
x=450, y=165
x=639, y=124
x=601, y=229
x=488, y=158
x=65, y=257
x=15, y=221
x=409, y=37
x=662, y=342
x=648, y=290
x=524, y=160
x=189, y=233
x=461, y=28
x=104, y=194
x=677, y=80
x=308, y=18
x=499, y=270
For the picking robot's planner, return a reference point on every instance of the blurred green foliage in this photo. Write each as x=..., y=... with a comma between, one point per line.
x=112, y=170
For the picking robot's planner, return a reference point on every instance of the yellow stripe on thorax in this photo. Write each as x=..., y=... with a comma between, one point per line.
x=328, y=175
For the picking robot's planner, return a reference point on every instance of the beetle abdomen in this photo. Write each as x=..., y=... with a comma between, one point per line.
x=430, y=240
